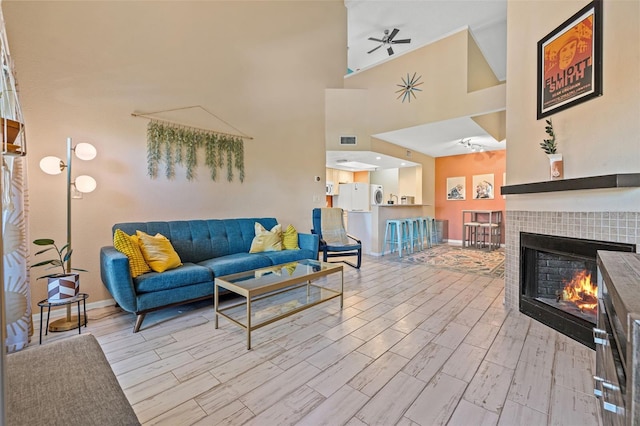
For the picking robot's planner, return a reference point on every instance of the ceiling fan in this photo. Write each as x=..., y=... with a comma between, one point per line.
x=388, y=40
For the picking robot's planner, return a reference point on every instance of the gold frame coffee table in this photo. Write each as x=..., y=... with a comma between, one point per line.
x=275, y=292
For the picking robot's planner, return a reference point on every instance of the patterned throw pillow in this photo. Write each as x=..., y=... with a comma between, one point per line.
x=266, y=240
x=128, y=244
x=158, y=252
x=290, y=239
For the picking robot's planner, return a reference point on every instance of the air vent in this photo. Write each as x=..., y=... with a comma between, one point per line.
x=347, y=140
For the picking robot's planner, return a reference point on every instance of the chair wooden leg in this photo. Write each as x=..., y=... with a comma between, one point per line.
x=139, y=320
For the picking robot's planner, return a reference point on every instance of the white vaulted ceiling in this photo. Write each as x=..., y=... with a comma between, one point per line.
x=426, y=21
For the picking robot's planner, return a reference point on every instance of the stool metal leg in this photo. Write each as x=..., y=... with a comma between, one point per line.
x=434, y=232
x=400, y=238
x=41, y=308
x=46, y=331
x=79, y=319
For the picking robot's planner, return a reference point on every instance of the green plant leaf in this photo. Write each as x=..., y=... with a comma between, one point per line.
x=44, y=262
x=43, y=251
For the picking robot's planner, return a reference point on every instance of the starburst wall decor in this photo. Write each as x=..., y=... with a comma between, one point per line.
x=409, y=87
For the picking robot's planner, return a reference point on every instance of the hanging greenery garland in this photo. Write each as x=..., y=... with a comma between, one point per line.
x=210, y=159
x=154, y=151
x=174, y=144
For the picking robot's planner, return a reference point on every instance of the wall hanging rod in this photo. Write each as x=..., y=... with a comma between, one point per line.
x=150, y=116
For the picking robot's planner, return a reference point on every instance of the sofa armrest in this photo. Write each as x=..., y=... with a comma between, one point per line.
x=116, y=277
x=309, y=242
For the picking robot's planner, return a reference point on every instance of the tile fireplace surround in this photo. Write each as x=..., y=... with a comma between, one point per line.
x=621, y=227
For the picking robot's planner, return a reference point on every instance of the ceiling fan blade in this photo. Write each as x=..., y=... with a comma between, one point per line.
x=374, y=49
x=376, y=39
x=393, y=34
x=406, y=40
x=390, y=51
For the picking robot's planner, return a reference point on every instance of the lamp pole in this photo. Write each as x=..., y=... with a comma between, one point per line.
x=69, y=322
x=69, y=148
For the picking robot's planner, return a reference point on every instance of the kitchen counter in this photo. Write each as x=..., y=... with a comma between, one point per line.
x=370, y=226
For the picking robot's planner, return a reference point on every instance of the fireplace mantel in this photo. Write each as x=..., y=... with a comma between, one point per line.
x=624, y=180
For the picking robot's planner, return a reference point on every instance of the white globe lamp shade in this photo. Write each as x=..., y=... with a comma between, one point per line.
x=85, y=151
x=85, y=183
x=51, y=165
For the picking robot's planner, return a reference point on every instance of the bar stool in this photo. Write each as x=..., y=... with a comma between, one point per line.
x=416, y=233
x=490, y=233
x=434, y=231
x=396, y=234
x=427, y=230
x=470, y=235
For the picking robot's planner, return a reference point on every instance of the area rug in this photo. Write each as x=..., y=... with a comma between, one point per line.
x=465, y=260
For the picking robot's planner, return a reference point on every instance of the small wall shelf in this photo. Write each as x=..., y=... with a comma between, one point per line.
x=624, y=180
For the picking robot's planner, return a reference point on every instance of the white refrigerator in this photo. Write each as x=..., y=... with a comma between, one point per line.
x=354, y=197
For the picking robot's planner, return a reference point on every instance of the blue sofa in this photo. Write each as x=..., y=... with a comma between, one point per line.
x=208, y=249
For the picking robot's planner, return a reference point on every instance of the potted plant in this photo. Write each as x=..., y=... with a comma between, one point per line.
x=63, y=283
x=550, y=147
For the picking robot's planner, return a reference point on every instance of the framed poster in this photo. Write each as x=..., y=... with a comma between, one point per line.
x=455, y=188
x=483, y=187
x=570, y=62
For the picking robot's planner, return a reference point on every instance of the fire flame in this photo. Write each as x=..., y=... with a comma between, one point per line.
x=582, y=292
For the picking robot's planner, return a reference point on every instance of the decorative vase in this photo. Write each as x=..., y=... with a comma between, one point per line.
x=556, y=169
x=63, y=287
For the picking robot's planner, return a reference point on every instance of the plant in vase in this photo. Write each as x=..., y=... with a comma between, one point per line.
x=62, y=284
x=549, y=146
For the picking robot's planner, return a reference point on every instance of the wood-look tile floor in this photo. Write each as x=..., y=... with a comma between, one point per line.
x=413, y=345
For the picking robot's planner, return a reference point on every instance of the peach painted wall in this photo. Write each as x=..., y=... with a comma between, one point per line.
x=467, y=165
x=84, y=67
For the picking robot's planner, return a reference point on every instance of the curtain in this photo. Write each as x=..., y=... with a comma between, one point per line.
x=17, y=296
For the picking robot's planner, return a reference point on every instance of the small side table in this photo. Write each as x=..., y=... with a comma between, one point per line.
x=46, y=303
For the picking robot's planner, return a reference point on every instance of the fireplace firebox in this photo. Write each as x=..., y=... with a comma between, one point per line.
x=558, y=282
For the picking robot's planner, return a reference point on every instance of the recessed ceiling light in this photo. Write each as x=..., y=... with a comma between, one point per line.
x=403, y=164
x=378, y=158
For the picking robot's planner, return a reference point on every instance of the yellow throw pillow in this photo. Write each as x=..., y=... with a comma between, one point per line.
x=128, y=244
x=290, y=239
x=158, y=252
x=266, y=240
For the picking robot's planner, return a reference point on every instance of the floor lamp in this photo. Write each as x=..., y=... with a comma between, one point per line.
x=75, y=188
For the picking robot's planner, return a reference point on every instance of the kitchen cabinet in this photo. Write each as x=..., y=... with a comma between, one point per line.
x=337, y=177
x=345, y=177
